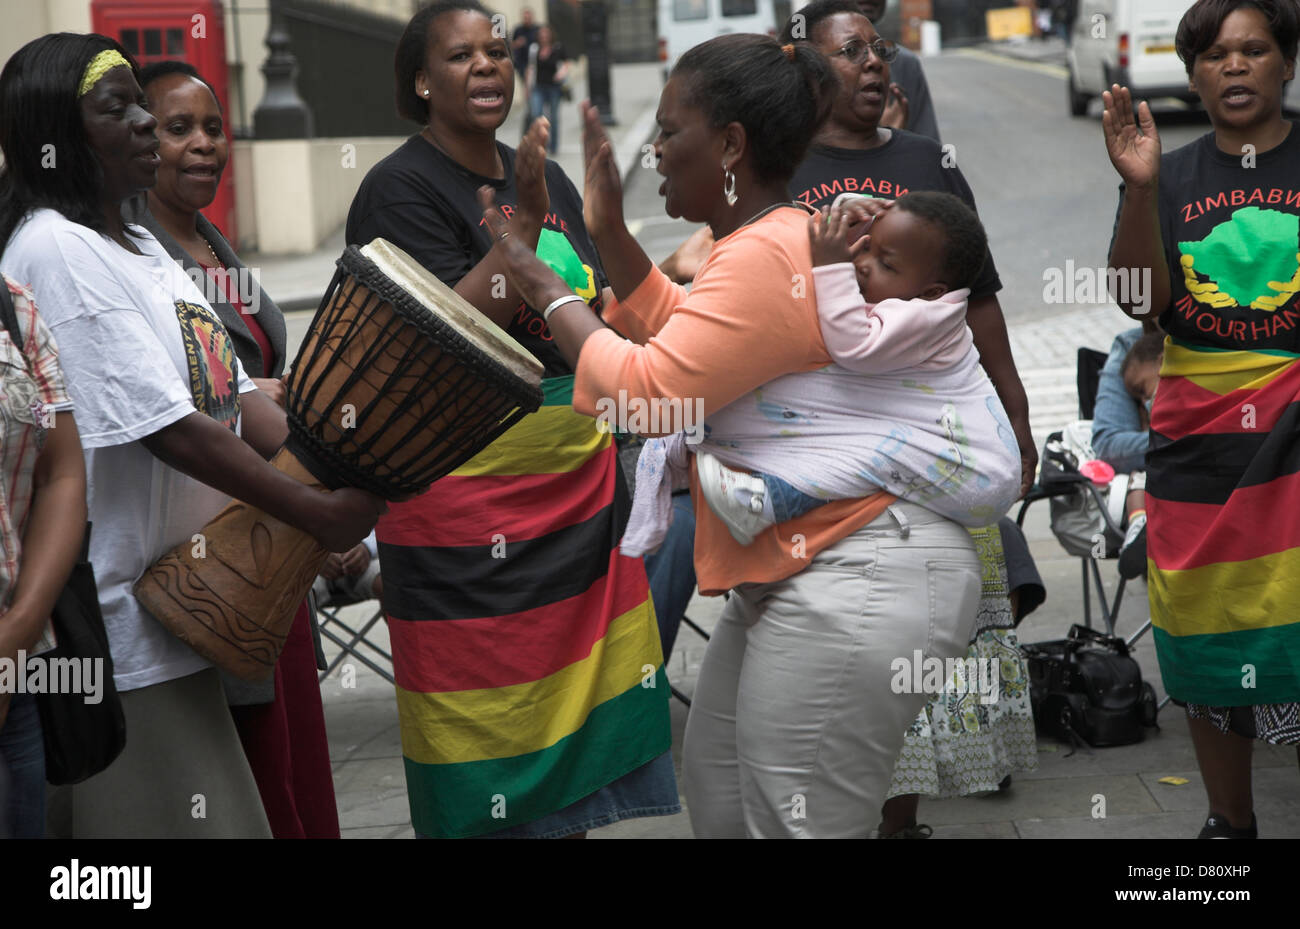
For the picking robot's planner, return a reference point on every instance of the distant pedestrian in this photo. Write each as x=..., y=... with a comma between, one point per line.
x=548, y=70
x=521, y=40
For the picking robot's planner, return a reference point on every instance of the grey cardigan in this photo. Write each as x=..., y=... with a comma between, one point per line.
x=269, y=316
x=238, y=692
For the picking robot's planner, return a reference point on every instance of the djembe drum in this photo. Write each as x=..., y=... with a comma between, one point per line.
x=398, y=382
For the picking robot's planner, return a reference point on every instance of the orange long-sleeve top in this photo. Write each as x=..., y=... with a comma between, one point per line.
x=750, y=317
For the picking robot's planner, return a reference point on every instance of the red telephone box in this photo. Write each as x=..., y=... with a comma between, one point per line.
x=193, y=31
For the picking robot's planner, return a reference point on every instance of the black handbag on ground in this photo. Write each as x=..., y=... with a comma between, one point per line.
x=81, y=739
x=1088, y=688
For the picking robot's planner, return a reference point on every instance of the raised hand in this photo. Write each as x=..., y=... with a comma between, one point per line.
x=1131, y=138
x=897, y=110
x=683, y=264
x=530, y=172
x=602, y=197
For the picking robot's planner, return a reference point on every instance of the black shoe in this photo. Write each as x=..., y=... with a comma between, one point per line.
x=1217, y=827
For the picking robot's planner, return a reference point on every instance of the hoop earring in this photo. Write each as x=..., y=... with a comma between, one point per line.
x=728, y=185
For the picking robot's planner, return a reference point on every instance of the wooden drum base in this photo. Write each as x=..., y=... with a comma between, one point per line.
x=232, y=595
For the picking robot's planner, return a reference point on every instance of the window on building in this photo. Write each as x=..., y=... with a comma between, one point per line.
x=739, y=7
x=685, y=10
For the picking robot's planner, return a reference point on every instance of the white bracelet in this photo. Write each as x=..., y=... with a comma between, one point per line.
x=556, y=304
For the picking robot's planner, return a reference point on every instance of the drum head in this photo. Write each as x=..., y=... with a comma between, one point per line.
x=453, y=309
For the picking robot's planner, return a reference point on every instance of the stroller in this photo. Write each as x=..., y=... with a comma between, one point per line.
x=1086, y=520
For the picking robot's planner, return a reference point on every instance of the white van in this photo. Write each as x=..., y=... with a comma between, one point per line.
x=1126, y=42
x=684, y=23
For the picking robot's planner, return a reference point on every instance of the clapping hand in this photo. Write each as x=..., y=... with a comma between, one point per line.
x=602, y=198
x=530, y=275
x=530, y=172
x=897, y=110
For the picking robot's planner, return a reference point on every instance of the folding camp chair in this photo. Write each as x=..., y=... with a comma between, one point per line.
x=331, y=625
x=1059, y=476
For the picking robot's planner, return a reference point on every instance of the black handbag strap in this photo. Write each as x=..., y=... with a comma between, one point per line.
x=10, y=315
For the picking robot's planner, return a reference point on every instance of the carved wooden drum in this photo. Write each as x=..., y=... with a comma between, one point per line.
x=399, y=382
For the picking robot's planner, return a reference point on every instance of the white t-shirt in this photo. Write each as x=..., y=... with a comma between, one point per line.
x=140, y=349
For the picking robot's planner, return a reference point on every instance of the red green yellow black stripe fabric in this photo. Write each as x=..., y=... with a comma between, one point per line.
x=1223, y=531
x=527, y=658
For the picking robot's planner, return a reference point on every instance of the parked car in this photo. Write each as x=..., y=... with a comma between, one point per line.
x=1126, y=42
x=684, y=23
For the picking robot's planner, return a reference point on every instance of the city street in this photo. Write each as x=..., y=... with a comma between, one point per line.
x=1047, y=195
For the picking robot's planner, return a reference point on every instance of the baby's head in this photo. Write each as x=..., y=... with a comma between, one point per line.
x=928, y=244
x=1141, y=368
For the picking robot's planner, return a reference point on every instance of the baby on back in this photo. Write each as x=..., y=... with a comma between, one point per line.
x=892, y=310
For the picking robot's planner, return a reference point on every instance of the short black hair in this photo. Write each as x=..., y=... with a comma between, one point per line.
x=40, y=114
x=408, y=60
x=749, y=79
x=1201, y=24
x=1147, y=349
x=160, y=69
x=805, y=21
x=966, y=245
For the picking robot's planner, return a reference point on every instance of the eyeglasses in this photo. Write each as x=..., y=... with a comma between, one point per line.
x=856, y=52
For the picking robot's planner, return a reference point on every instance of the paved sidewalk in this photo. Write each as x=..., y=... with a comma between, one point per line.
x=297, y=282
x=1058, y=800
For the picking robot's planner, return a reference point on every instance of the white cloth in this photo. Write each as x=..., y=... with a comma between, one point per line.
x=661, y=468
x=912, y=413
x=140, y=349
x=906, y=409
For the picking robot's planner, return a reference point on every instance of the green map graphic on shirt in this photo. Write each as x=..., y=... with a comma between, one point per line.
x=1250, y=259
x=554, y=249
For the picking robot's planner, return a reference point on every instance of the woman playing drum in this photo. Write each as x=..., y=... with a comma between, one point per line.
x=170, y=425
x=530, y=684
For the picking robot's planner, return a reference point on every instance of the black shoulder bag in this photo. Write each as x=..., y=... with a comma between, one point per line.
x=1088, y=688
x=81, y=738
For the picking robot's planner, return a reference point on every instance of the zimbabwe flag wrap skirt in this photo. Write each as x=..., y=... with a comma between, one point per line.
x=1223, y=533
x=525, y=650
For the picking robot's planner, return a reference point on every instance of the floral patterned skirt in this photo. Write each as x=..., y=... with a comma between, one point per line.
x=964, y=741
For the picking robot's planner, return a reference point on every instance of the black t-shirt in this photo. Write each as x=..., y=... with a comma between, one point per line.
x=519, y=54
x=1239, y=229
x=906, y=162
x=547, y=66
x=426, y=204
